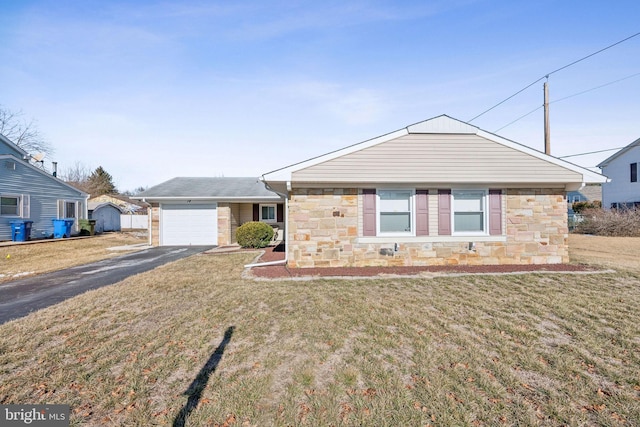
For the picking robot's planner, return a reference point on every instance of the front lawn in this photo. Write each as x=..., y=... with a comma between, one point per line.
x=38, y=257
x=191, y=343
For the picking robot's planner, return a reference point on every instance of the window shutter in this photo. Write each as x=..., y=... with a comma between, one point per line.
x=256, y=212
x=444, y=212
x=369, y=212
x=80, y=210
x=422, y=212
x=26, y=206
x=495, y=212
x=60, y=209
x=280, y=212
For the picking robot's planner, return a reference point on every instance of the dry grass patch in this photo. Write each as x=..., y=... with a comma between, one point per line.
x=43, y=257
x=614, y=252
x=556, y=349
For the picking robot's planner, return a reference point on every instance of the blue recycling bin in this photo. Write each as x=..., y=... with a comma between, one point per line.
x=21, y=230
x=62, y=227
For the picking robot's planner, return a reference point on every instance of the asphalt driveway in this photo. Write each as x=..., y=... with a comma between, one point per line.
x=20, y=297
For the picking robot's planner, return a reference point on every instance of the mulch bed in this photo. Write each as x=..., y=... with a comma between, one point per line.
x=279, y=271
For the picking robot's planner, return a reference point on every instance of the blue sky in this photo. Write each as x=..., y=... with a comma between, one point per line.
x=151, y=90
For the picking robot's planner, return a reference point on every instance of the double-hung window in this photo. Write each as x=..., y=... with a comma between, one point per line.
x=268, y=213
x=68, y=209
x=395, y=212
x=9, y=205
x=469, y=212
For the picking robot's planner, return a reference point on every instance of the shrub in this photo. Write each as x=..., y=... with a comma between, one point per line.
x=614, y=222
x=579, y=207
x=254, y=234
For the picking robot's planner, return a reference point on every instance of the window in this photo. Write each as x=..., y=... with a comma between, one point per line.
x=70, y=210
x=10, y=205
x=395, y=211
x=67, y=209
x=268, y=213
x=469, y=211
x=634, y=172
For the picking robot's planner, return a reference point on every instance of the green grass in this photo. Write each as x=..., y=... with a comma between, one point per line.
x=535, y=349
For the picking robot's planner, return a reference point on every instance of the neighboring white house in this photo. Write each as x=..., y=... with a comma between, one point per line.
x=28, y=193
x=623, y=188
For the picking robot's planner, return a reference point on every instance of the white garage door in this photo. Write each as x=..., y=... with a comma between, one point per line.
x=188, y=224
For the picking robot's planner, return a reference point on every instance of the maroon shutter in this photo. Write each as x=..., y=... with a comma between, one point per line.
x=369, y=212
x=280, y=212
x=495, y=212
x=256, y=212
x=444, y=212
x=422, y=212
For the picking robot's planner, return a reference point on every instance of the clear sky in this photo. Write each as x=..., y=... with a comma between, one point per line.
x=151, y=90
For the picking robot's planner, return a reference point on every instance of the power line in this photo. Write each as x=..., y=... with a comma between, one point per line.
x=594, y=88
x=590, y=152
x=567, y=97
x=553, y=72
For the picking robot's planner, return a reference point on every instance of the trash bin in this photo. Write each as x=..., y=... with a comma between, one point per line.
x=20, y=230
x=87, y=226
x=62, y=227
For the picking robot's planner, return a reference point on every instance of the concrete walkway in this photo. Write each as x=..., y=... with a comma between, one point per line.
x=20, y=297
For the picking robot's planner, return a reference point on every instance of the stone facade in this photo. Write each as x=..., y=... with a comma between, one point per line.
x=224, y=224
x=154, y=220
x=325, y=230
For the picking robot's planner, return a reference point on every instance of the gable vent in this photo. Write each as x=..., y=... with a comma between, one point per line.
x=8, y=164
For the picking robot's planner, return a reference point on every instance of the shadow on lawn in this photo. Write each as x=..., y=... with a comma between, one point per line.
x=200, y=382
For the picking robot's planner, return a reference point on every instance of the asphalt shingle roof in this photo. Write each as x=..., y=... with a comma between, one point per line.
x=203, y=187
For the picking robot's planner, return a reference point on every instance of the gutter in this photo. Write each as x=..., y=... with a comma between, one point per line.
x=286, y=229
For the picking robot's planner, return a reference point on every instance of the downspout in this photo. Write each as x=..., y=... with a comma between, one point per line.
x=286, y=229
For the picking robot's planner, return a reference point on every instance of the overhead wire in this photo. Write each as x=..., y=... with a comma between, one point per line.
x=590, y=152
x=553, y=72
x=567, y=97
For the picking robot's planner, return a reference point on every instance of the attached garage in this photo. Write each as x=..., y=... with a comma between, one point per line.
x=188, y=224
x=207, y=211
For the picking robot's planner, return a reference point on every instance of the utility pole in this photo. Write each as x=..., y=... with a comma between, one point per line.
x=547, y=134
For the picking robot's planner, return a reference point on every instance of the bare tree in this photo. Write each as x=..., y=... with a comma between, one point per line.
x=76, y=175
x=95, y=183
x=134, y=192
x=23, y=133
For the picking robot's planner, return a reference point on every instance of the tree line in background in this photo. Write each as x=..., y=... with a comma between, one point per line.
x=26, y=135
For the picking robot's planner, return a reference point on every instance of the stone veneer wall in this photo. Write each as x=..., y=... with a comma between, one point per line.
x=154, y=212
x=324, y=232
x=224, y=224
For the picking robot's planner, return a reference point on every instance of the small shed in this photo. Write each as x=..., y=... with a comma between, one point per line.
x=106, y=215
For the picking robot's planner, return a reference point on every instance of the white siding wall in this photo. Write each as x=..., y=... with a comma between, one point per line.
x=621, y=189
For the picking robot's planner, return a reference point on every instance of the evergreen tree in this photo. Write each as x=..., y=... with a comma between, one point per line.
x=100, y=182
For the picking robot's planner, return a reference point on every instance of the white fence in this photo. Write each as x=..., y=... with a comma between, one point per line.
x=134, y=221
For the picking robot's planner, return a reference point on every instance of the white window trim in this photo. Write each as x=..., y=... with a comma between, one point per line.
x=485, y=211
x=275, y=213
x=62, y=208
x=19, y=204
x=412, y=208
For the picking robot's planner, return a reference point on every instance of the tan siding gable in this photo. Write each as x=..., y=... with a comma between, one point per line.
x=453, y=158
